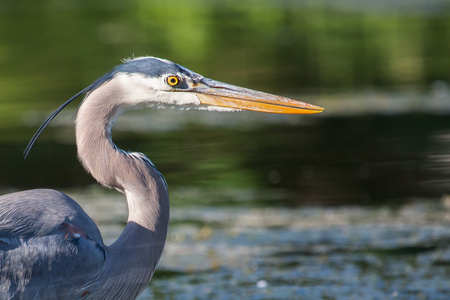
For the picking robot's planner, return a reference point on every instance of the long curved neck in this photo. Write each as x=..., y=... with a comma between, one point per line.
x=136, y=252
x=130, y=173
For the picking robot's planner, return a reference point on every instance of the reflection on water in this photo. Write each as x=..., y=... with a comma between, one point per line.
x=357, y=160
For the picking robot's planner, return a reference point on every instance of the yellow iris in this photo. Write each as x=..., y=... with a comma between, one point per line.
x=173, y=80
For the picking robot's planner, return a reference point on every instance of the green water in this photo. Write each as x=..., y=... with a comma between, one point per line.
x=364, y=160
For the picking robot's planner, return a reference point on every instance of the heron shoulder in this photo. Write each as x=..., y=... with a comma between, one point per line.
x=42, y=212
x=45, y=238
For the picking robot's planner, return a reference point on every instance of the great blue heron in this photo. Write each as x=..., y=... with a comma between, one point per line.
x=50, y=248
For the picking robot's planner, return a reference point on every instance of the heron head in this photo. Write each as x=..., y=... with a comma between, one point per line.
x=154, y=81
x=151, y=81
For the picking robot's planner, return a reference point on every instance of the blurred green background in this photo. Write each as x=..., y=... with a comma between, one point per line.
x=381, y=69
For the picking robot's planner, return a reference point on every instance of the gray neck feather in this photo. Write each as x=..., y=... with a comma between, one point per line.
x=133, y=257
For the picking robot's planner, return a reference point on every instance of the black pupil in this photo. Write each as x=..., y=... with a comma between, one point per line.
x=173, y=80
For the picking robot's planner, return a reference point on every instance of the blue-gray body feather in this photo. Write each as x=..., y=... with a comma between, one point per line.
x=46, y=240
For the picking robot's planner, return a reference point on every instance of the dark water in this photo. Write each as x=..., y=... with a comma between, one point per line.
x=327, y=161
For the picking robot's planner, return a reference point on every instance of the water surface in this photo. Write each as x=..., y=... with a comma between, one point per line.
x=308, y=252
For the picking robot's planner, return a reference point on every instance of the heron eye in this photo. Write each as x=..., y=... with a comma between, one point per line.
x=173, y=80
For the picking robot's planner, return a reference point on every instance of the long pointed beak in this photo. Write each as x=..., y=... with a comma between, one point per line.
x=216, y=93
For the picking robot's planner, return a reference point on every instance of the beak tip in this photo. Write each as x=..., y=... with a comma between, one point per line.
x=312, y=109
